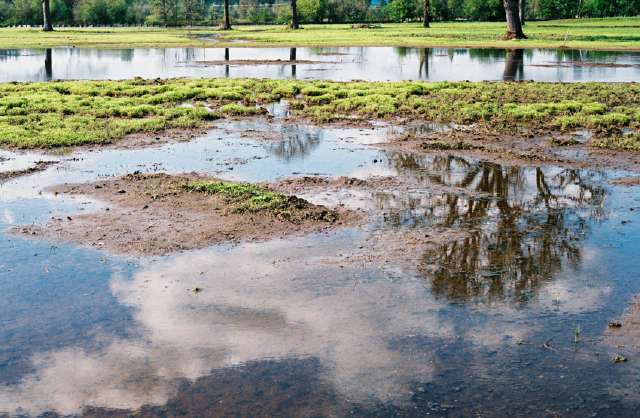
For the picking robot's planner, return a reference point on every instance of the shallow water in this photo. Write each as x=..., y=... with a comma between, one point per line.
x=355, y=63
x=484, y=326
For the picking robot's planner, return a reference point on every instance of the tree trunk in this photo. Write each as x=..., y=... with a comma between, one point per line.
x=514, y=27
x=227, y=21
x=46, y=14
x=425, y=15
x=522, y=8
x=294, y=15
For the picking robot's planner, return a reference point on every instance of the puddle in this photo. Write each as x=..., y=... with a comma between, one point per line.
x=344, y=64
x=485, y=325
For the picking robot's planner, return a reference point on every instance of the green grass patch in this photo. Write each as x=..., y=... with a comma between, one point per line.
x=619, y=142
x=72, y=113
x=604, y=34
x=250, y=198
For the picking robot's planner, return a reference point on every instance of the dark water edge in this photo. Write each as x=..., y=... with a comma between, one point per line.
x=342, y=64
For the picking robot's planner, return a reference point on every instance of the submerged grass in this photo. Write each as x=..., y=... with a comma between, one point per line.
x=71, y=113
x=611, y=33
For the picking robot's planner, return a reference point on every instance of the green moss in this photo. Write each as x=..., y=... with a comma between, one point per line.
x=622, y=143
x=246, y=197
x=94, y=112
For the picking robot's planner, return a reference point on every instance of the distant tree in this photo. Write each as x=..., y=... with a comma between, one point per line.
x=425, y=14
x=227, y=20
x=514, y=27
x=46, y=16
x=295, y=23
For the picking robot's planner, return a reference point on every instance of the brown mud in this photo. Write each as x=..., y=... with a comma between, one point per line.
x=39, y=166
x=546, y=147
x=261, y=62
x=156, y=215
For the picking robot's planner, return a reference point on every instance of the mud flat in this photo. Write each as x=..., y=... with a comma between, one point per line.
x=159, y=214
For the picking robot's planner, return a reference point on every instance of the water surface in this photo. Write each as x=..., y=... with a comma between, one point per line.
x=355, y=63
x=485, y=325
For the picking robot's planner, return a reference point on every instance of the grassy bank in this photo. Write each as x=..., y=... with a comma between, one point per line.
x=614, y=33
x=72, y=113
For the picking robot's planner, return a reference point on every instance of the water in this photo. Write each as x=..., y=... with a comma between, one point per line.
x=485, y=325
x=355, y=63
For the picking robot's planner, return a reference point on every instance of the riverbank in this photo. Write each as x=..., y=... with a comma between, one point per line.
x=596, y=34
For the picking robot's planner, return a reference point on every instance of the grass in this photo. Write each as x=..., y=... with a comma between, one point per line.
x=250, y=198
x=619, y=142
x=72, y=113
x=604, y=34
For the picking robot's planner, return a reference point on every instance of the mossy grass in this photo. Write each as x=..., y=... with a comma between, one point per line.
x=619, y=142
x=247, y=198
x=72, y=113
x=604, y=34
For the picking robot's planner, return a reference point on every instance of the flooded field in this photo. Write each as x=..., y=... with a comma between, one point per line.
x=471, y=288
x=343, y=64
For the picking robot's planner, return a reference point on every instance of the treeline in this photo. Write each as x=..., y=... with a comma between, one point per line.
x=208, y=12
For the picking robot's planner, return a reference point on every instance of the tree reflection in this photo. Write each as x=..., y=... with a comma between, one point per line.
x=48, y=64
x=514, y=65
x=522, y=225
x=298, y=143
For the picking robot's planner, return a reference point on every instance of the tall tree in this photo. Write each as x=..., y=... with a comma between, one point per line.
x=514, y=26
x=46, y=15
x=425, y=14
x=227, y=21
x=521, y=7
x=295, y=24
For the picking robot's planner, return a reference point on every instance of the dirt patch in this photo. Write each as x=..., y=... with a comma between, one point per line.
x=627, y=181
x=158, y=214
x=39, y=166
x=623, y=335
x=571, y=64
x=262, y=62
x=306, y=184
x=545, y=146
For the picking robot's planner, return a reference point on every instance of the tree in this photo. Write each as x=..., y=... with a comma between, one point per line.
x=425, y=14
x=521, y=7
x=295, y=24
x=514, y=26
x=226, y=25
x=46, y=16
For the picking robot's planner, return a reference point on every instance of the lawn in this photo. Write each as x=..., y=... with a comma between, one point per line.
x=609, y=34
x=72, y=113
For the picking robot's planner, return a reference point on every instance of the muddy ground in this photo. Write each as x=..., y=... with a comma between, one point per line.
x=155, y=215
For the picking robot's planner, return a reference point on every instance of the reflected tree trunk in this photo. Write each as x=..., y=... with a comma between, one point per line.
x=514, y=65
x=424, y=63
x=46, y=16
x=293, y=56
x=425, y=14
x=514, y=26
x=226, y=58
x=295, y=24
x=522, y=7
x=226, y=25
x=48, y=64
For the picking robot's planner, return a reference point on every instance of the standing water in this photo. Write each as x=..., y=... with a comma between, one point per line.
x=342, y=64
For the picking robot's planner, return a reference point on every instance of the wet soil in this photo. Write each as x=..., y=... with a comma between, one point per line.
x=548, y=147
x=627, y=181
x=154, y=215
x=261, y=62
x=39, y=166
